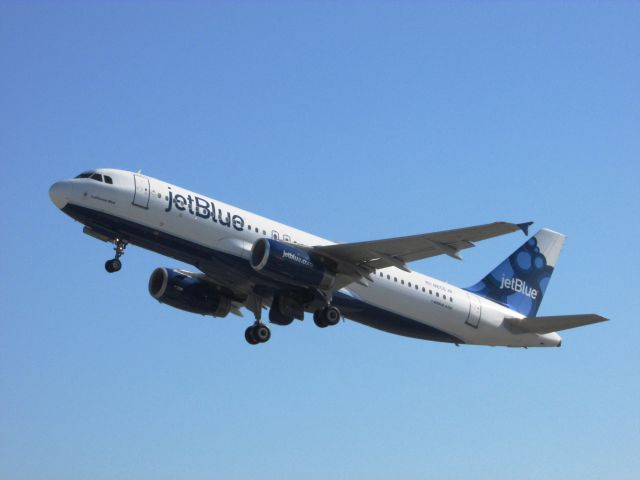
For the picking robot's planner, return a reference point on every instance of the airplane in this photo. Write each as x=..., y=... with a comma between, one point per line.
x=248, y=261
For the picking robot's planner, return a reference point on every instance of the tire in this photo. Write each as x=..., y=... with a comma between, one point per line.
x=112, y=265
x=318, y=319
x=248, y=336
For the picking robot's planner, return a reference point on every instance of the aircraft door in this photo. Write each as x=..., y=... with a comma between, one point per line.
x=475, y=311
x=142, y=191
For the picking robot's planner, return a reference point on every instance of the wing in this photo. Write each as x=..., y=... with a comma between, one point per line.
x=358, y=260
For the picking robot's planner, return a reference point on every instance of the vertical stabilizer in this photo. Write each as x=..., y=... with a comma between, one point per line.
x=521, y=280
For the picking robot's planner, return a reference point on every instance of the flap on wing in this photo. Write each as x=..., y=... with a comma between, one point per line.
x=396, y=252
x=552, y=323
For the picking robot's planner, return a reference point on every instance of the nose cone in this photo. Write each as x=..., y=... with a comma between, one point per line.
x=59, y=193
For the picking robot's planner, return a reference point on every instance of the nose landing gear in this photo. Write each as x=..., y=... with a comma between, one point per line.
x=115, y=264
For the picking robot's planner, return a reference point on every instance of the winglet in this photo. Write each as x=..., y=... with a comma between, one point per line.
x=525, y=227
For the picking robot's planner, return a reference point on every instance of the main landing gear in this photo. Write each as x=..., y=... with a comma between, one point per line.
x=327, y=317
x=115, y=264
x=260, y=333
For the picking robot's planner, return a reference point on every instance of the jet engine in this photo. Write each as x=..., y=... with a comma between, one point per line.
x=187, y=291
x=290, y=264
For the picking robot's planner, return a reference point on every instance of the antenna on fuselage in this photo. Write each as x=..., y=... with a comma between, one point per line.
x=139, y=171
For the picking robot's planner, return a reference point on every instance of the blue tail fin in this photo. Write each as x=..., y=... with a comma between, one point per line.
x=521, y=280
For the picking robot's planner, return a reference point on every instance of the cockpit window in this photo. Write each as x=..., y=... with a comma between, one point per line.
x=98, y=177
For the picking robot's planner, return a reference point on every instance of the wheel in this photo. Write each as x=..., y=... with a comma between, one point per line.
x=112, y=265
x=326, y=317
x=318, y=319
x=261, y=333
x=248, y=336
x=331, y=315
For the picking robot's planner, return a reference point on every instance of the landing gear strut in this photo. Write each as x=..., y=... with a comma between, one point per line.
x=115, y=264
x=328, y=316
x=258, y=332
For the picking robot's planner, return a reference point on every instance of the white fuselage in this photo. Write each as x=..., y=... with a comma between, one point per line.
x=169, y=209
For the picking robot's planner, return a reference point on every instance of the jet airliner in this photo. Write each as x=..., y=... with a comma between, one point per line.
x=247, y=261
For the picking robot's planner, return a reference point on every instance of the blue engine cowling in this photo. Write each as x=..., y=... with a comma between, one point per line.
x=185, y=291
x=287, y=263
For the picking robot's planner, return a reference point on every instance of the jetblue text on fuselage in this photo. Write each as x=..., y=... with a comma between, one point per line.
x=520, y=286
x=203, y=208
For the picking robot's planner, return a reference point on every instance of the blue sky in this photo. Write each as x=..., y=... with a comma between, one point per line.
x=355, y=121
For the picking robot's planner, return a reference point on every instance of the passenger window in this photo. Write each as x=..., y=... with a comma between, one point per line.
x=395, y=279
x=388, y=277
x=437, y=294
x=402, y=282
x=430, y=292
x=97, y=177
x=423, y=290
x=416, y=287
x=409, y=284
x=451, y=299
x=107, y=179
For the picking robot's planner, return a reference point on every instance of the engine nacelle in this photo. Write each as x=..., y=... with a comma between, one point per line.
x=289, y=264
x=185, y=291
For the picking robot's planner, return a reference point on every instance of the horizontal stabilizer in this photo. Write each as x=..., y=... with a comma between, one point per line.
x=553, y=323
